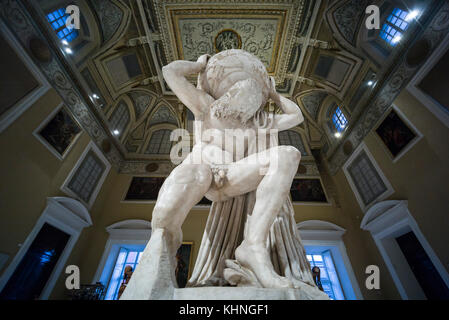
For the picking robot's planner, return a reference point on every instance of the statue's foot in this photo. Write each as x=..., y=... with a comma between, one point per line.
x=257, y=259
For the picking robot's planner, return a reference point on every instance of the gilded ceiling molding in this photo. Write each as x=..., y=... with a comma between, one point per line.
x=111, y=15
x=433, y=27
x=139, y=167
x=143, y=101
x=312, y=102
x=163, y=114
x=167, y=12
x=348, y=17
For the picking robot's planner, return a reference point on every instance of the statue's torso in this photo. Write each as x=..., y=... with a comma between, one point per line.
x=223, y=141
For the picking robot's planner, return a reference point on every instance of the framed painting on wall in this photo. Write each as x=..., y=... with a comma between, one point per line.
x=308, y=190
x=397, y=134
x=183, y=269
x=144, y=188
x=58, y=132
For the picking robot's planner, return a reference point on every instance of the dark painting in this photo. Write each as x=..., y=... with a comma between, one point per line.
x=183, y=264
x=144, y=188
x=60, y=131
x=395, y=133
x=307, y=190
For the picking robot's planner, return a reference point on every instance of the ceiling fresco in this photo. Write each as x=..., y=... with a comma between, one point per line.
x=260, y=37
x=189, y=30
x=318, y=51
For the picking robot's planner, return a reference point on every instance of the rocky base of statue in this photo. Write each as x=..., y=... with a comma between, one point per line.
x=154, y=279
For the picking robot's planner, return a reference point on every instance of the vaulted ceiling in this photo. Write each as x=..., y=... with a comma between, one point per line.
x=320, y=53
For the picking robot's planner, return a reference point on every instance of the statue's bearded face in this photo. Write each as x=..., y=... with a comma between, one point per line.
x=240, y=102
x=238, y=81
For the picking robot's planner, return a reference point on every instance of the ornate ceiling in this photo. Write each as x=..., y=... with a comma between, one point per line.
x=319, y=52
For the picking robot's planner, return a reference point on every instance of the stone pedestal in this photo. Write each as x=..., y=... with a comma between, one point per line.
x=247, y=293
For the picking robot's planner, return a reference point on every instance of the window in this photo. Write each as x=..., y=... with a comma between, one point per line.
x=292, y=138
x=325, y=248
x=124, y=236
x=160, y=142
x=57, y=19
x=329, y=279
x=339, y=120
x=45, y=250
x=119, y=119
x=85, y=180
x=125, y=258
x=394, y=27
x=365, y=178
x=422, y=267
x=414, y=266
x=87, y=176
x=41, y=257
x=324, y=239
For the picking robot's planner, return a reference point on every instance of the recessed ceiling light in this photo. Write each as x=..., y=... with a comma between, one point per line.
x=396, y=39
x=370, y=83
x=412, y=15
x=64, y=42
x=116, y=132
x=68, y=50
x=95, y=96
x=337, y=134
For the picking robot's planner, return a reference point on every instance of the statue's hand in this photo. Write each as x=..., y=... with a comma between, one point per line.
x=203, y=60
x=273, y=93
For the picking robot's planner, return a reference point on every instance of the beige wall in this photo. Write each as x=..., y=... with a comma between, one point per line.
x=420, y=176
x=31, y=173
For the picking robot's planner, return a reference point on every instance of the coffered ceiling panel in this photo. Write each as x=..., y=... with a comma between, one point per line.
x=190, y=30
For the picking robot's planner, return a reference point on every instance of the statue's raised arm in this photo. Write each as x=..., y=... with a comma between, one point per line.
x=292, y=115
x=175, y=74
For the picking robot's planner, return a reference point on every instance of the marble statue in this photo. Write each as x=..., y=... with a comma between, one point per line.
x=250, y=239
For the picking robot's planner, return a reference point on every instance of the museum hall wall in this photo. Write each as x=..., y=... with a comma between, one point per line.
x=31, y=173
x=420, y=176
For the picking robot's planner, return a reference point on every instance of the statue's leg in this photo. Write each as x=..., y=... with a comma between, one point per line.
x=184, y=187
x=281, y=164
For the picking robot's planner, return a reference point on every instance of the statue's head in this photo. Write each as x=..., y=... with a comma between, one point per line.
x=226, y=68
x=229, y=67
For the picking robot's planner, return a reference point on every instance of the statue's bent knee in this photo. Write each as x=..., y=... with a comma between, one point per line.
x=161, y=217
x=289, y=153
